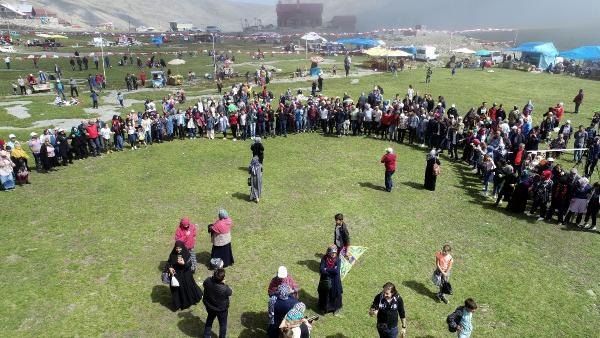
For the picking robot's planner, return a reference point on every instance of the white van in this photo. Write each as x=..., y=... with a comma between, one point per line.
x=426, y=53
x=497, y=57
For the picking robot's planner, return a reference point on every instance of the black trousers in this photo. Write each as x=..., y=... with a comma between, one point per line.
x=210, y=318
x=74, y=90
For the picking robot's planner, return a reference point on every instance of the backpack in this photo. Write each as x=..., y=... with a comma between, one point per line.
x=453, y=319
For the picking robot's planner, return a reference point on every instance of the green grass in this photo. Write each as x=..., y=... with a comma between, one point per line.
x=82, y=246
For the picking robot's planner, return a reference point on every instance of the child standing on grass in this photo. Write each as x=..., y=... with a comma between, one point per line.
x=106, y=133
x=443, y=263
x=465, y=328
x=488, y=167
x=131, y=136
x=141, y=136
x=210, y=127
x=120, y=99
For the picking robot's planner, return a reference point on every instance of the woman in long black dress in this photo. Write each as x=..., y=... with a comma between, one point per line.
x=330, y=284
x=518, y=201
x=179, y=265
x=430, y=176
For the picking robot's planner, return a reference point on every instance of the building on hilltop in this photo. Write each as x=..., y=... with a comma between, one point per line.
x=180, y=27
x=299, y=15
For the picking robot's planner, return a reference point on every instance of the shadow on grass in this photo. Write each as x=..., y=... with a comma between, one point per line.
x=243, y=169
x=161, y=294
x=337, y=335
x=190, y=325
x=371, y=185
x=311, y=264
x=203, y=258
x=254, y=323
x=420, y=288
x=414, y=185
x=309, y=300
x=241, y=196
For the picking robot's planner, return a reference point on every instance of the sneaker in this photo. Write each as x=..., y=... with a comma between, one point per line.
x=540, y=218
x=593, y=228
x=337, y=312
x=585, y=225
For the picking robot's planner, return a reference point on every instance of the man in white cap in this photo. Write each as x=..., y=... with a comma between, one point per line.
x=12, y=141
x=283, y=277
x=389, y=161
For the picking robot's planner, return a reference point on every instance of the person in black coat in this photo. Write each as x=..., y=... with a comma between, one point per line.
x=279, y=305
x=341, y=235
x=216, y=301
x=179, y=266
x=430, y=176
x=63, y=147
x=330, y=283
x=258, y=149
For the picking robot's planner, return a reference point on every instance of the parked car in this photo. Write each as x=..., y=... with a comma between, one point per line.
x=426, y=53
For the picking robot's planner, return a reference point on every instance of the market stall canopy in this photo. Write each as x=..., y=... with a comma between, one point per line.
x=312, y=36
x=464, y=51
x=380, y=51
x=541, y=54
x=588, y=53
x=483, y=52
x=362, y=42
x=176, y=62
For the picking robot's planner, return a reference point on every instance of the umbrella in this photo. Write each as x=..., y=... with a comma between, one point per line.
x=379, y=51
x=176, y=62
x=464, y=51
x=317, y=59
x=483, y=52
x=312, y=36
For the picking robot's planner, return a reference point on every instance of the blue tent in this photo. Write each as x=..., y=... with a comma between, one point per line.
x=540, y=54
x=368, y=43
x=409, y=49
x=582, y=53
x=157, y=40
x=483, y=52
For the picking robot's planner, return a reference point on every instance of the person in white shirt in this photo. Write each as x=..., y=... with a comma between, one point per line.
x=106, y=137
x=410, y=92
x=7, y=62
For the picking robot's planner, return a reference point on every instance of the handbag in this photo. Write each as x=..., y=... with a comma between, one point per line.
x=165, y=278
x=174, y=282
x=325, y=284
x=436, y=169
x=447, y=288
x=436, y=278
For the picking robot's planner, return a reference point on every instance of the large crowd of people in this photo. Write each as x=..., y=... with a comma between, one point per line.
x=502, y=148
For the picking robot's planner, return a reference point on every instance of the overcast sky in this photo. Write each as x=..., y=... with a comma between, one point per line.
x=461, y=14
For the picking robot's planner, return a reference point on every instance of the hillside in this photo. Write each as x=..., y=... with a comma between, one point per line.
x=199, y=12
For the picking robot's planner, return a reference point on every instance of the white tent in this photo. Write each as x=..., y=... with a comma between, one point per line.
x=464, y=51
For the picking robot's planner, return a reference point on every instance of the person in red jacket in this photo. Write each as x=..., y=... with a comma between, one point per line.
x=233, y=122
x=389, y=161
x=91, y=131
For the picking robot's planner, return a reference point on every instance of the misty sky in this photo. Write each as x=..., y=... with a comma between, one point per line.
x=461, y=14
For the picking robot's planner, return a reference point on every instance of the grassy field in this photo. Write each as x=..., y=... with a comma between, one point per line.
x=82, y=246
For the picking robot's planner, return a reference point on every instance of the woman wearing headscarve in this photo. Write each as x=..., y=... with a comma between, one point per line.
x=330, y=283
x=48, y=155
x=220, y=233
x=6, y=171
x=294, y=325
x=279, y=306
x=179, y=265
x=430, y=172
x=19, y=158
x=186, y=232
x=258, y=149
x=518, y=200
x=579, y=201
x=255, y=170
